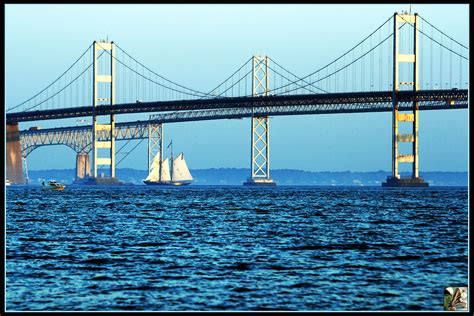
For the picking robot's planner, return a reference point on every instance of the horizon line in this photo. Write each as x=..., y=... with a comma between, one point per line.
x=279, y=169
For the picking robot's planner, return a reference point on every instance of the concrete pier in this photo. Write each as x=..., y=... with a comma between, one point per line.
x=83, y=168
x=98, y=181
x=410, y=182
x=14, y=169
x=260, y=182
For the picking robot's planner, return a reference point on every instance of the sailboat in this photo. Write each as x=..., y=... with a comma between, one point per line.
x=160, y=171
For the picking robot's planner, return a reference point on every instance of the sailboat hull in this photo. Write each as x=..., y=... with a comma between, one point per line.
x=168, y=183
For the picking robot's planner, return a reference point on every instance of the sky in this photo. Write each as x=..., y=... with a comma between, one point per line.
x=200, y=45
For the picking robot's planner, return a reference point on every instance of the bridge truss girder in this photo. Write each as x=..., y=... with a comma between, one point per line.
x=79, y=138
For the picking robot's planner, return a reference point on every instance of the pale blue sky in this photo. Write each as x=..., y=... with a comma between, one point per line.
x=200, y=45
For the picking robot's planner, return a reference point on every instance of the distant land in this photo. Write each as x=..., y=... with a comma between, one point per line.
x=235, y=176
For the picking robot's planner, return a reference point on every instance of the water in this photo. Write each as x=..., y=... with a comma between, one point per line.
x=234, y=248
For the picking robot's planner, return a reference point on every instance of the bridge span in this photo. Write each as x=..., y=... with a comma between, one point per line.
x=298, y=104
x=390, y=70
x=79, y=138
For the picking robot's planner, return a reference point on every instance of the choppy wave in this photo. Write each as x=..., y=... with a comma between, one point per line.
x=233, y=248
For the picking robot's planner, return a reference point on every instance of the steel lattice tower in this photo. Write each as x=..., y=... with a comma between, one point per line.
x=155, y=145
x=260, y=128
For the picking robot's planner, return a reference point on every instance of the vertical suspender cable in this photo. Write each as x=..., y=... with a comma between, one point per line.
x=421, y=70
x=460, y=67
x=431, y=62
x=451, y=66
x=441, y=64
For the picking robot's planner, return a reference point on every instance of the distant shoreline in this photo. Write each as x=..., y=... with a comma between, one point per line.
x=273, y=170
x=283, y=177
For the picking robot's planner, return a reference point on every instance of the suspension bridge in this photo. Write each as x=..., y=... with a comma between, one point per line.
x=404, y=66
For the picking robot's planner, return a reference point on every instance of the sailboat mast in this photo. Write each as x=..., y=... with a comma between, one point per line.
x=161, y=156
x=172, y=164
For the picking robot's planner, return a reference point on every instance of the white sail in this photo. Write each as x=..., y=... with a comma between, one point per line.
x=155, y=167
x=165, y=171
x=180, y=169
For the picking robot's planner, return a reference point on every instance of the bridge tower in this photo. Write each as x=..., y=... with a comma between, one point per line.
x=260, y=129
x=155, y=145
x=412, y=116
x=104, y=76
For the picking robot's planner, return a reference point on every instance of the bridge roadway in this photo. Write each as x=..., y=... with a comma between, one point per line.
x=285, y=105
x=79, y=138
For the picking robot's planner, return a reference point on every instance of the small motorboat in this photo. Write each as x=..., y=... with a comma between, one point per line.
x=53, y=185
x=8, y=182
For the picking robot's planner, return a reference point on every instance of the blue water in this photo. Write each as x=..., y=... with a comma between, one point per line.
x=234, y=248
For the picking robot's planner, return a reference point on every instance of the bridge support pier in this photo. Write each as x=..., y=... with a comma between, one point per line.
x=83, y=168
x=14, y=167
x=260, y=129
x=412, y=117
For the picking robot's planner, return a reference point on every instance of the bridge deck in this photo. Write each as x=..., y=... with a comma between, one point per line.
x=311, y=103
